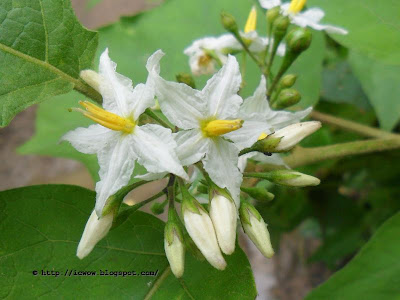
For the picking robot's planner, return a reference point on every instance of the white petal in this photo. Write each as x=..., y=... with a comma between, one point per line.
x=278, y=119
x=155, y=149
x=268, y=4
x=221, y=91
x=151, y=176
x=192, y=146
x=116, y=89
x=248, y=134
x=180, y=103
x=221, y=165
x=92, y=139
x=144, y=98
x=116, y=165
x=274, y=159
x=257, y=103
x=314, y=15
x=242, y=163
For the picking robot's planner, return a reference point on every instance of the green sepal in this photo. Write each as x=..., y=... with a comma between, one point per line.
x=188, y=201
x=272, y=14
x=279, y=176
x=287, y=98
x=268, y=144
x=173, y=229
x=245, y=210
x=298, y=39
x=229, y=22
x=259, y=194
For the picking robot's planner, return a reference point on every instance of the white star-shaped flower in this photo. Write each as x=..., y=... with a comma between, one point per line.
x=308, y=18
x=117, y=139
x=205, y=117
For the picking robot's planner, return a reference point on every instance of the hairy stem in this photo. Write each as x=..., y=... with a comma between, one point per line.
x=88, y=91
x=352, y=126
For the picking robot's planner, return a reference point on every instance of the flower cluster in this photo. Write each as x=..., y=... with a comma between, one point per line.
x=213, y=131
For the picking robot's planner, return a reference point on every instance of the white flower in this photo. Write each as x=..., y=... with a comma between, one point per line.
x=223, y=213
x=95, y=230
x=201, y=230
x=308, y=18
x=260, y=120
x=205, y=116
x=118, y=141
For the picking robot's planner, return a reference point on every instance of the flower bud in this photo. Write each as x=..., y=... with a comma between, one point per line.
x=299, y=39
x=259, y=194
x=281, y=25
x=158, y=208
x=223, y=214
x=200, y=228
x=92, y=78
x=287, y=98
x=256, y=229
x=186, y=79
x=94, y=231
x=272, y=14
x=288, y=81
x=229, y=22
x=290, y=178
x=174, y=248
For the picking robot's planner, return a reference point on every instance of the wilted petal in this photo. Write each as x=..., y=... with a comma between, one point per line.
x=155, y=149
x=221, y=91
x=221, y=165
x=192, y=146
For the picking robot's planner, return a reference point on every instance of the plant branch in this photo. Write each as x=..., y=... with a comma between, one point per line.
x=88, y=91
x=352, y=126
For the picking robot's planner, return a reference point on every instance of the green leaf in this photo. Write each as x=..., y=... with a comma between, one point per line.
x=373, y=26
x=372, y=274
x=43, y=47
x=381, y=82
x=41, y=228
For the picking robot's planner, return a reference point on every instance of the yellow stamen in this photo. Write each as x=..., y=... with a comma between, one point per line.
x=296, y=6
x=205, y=60
x=262, y=136
x=251, y=20
x=218, y=127
x=105, y=118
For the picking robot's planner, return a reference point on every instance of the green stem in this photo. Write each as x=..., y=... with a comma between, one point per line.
x=88, y=91
x=153, y=115
x=352, y=126
x=240, y=40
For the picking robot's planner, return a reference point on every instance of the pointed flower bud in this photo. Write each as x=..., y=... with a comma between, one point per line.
x=186, y=79
x=94, y=231
x=281, y=25
x=158, y=208
x=287, y=98
x=290, y=178
x=223, y=214
x=174, y=248
x=200, y=228
x=259, y=194
x=272, y=14
x=299, y=39
x=288, y=81
x=229, y=22
x=92, y=78
x=256, y=229
x=286, y=138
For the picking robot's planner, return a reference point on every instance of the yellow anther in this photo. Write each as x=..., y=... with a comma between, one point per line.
x=262, y=136
x=205, y=60
x=105, y=118
x=296, y=6
x=218, y=127
x=251, y=20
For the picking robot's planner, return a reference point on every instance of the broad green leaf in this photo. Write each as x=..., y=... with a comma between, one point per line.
x=372, y=274
x=381, y=82
x=41, y=227
x=43, y=47
x=373, y=26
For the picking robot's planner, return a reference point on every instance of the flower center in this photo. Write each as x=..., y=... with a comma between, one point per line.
x=262, y=136
x=251, y=21
x=215, y=128
x=296, y=6
x=205, y=60
x=106, y=118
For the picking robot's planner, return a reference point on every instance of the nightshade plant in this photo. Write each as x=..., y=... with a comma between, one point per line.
x=225, y=149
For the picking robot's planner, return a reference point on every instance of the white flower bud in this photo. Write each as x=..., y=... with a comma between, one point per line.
x=291, y=135
x=175, y=250
x=92, y=78
x=223, y=214
x=201, y=230
x=256, y=229
x=95, y=230
x=301, y=180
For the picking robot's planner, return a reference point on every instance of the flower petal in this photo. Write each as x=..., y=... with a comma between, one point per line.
x=144, y=98
x=278, y=119
x=311, y=17
x=116, y=89
x=116, y=165
x=221, y=165
x=268, y=4
x=180, y=103
x=257, y=103
x=91, y=140
x=192, y=146
x=221, y=91
x=155, y=149
x=248, y=134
